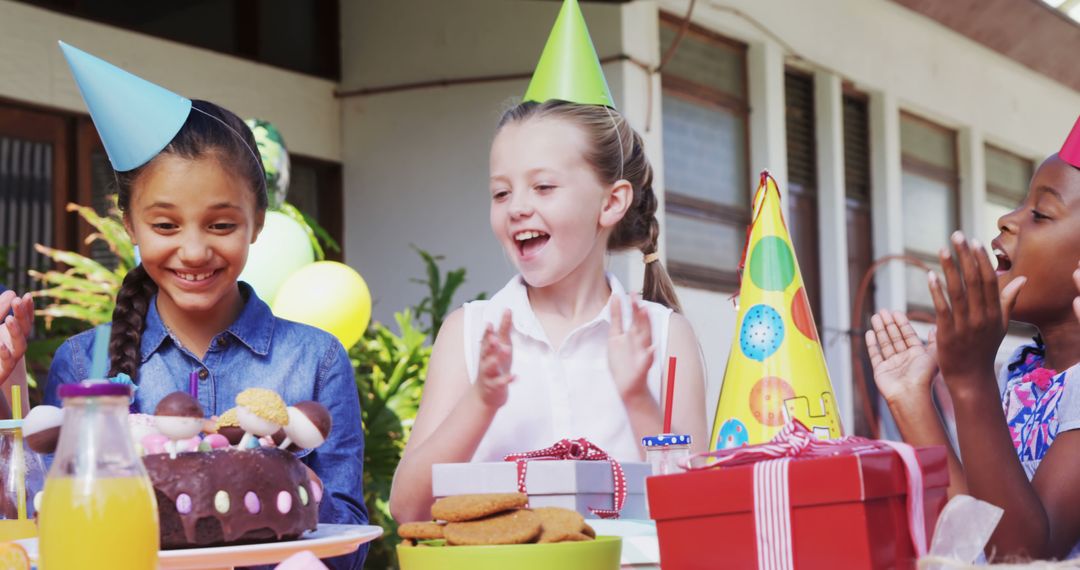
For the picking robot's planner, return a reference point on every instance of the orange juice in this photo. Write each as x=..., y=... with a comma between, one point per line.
x=100, y=523
x=17, y=529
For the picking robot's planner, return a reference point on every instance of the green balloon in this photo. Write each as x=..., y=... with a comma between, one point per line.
x=772, y=265
x=275, y=159
x=282, y=248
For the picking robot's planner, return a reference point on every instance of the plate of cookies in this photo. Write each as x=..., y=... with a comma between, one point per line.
x=498, y=530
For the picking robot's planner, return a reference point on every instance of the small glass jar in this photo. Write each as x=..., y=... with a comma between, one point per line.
x=664, y=451
x=22, y=476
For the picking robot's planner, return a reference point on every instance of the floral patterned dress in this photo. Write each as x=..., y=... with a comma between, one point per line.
x=1032, y=401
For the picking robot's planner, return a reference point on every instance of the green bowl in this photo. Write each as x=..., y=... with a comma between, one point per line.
x=600, y=554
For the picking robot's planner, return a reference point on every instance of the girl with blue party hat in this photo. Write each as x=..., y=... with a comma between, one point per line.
x=561, y=351
x=192, y=192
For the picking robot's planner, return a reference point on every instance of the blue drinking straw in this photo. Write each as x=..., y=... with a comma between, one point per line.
x=101, y=352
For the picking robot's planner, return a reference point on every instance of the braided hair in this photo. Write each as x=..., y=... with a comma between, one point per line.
x=616, y=152
x=210, y=131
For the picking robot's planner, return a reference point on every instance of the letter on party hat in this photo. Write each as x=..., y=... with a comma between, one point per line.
x=1070, y=151
x=776, y=369
x=569, y=68
x=135, y=118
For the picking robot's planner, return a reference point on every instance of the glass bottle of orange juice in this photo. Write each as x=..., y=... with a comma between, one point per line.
x=98, y=509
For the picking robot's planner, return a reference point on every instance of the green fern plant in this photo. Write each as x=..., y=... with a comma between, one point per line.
x=391, y=368
x=390, y=371
x=86, y=290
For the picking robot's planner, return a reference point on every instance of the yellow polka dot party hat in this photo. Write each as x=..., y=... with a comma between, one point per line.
x=776, y=369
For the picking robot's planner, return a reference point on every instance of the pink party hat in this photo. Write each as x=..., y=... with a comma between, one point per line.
x=1070, y=151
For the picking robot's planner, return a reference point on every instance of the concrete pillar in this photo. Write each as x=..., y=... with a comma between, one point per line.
x=972, y=155
x=768, y=135
x=832, y=238
x=887, y=215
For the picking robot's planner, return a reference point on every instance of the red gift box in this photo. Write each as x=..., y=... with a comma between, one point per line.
x=846, y=502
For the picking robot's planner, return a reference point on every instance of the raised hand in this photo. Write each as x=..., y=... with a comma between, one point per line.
x=903, y=365
x=16, y=327
x=496, y=354
x=630, y=350
x=972, y=321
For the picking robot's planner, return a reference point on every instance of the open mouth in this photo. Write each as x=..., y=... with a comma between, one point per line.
x=1004, y=264
x=529, y=242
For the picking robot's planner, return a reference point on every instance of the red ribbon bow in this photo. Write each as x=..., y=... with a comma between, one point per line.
x=579, y=449
x=793, y=440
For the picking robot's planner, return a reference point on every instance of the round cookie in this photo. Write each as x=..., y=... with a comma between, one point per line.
x=589, y=531
x=511, y=527
x=559, y=524
x=460, y=508
x=424, y=530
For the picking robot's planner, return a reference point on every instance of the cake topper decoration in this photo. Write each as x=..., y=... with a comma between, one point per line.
x=179, y=417
x=309, y=425
x=260, y=412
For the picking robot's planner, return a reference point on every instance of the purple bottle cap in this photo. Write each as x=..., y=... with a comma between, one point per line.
x=94, y=388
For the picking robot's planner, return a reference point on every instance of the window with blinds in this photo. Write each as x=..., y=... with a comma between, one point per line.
x=1007, y=179
x=930, y=188
x=26, y=209
x=860, y=236
x=802, y=182
x=706, y=156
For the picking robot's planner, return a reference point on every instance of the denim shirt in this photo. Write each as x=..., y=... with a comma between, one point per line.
x=258, y=350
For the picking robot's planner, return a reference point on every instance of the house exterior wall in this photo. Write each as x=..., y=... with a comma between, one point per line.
x=33, y=70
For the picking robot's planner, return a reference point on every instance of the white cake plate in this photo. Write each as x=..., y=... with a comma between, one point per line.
x=327, y=541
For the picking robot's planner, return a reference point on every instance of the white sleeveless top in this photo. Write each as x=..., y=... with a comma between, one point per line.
x=564, y=393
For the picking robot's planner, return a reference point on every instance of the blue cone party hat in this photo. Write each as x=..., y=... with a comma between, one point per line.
x=135, y=118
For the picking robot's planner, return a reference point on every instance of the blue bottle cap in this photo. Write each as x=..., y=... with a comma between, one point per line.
x=665, y=440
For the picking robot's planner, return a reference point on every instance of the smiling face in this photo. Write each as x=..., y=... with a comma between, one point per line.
x=1040, y=240
x=193, y=221
x=549, y=210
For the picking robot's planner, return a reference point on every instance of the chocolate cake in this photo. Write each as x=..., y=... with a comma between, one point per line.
x=232, y=496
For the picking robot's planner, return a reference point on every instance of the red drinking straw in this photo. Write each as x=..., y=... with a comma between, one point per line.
x=670, y=393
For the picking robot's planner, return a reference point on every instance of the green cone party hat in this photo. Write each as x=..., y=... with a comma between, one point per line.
x=569, y=68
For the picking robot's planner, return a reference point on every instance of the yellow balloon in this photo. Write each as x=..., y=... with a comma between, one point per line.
x=329, y=295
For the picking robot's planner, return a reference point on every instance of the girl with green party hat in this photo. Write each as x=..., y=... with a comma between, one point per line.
x=561, y=351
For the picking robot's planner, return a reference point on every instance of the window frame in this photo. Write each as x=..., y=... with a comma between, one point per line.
x=675, y=203
x=951, y=179
x=1004, y=194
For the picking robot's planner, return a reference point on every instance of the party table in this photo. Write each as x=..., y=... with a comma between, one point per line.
x=327, y=541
